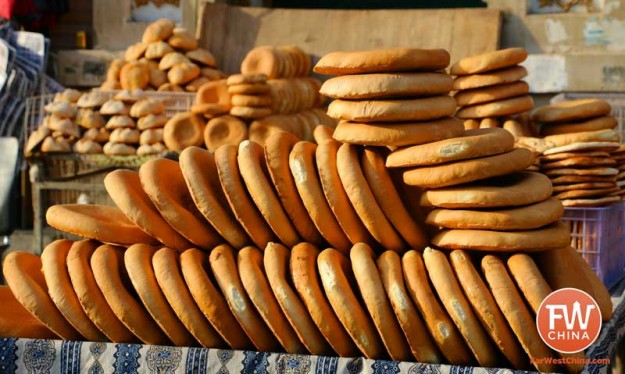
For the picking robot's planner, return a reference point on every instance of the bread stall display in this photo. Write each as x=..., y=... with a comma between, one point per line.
x=398, y=234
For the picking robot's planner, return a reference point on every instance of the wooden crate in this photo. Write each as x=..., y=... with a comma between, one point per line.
x=229, y=32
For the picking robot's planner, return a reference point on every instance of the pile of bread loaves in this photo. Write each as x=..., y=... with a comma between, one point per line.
x=166, y=59
x=93, y=123
x=489, y=89
x=579, y=137
x=221, y=248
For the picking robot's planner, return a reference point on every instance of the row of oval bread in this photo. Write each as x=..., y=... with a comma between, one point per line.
x=425, y=306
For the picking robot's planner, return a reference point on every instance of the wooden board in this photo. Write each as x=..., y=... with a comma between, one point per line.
x=230, y=32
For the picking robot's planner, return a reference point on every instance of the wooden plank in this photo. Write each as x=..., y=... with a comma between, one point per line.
x=230, y=32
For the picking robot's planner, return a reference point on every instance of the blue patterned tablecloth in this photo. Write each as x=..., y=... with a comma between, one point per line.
x=57, y=356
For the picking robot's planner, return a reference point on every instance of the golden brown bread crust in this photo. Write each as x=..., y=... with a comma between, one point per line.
x=469, y=170
x=254, y=279
x=54, y=267
x=166, y=264
x=442, y=328
x=422, y=109
x=549, y=237
x=491, y=78
x=522, y=218
x=336, y=274
x=385, y=60
x=277, y=149
x=391, y=85
x=402, y=134
x=29, y=326
x=489, y=61
x=516, y=189
x=305, y=276
x=276, y=262
x=486, y=309
x=567, y=111
x=375, y=299
x=471, y=144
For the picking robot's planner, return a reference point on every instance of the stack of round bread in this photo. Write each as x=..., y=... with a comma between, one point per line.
x=58, y=130
x=287, y=191
x=167, y=59
x=489, y=90
x=579, y=136
x=425, y=306
x=251, y=95
x=390, y=97
x=303, y=125
x=294, y=95
x=439, y=155
x=212, y=99
x=619, y=156
x=277, y=62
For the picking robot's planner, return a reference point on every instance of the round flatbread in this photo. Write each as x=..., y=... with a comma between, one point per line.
x=277, y=150
x=381, y=134
x=579, y=162
x=549, y=237
x=363, y=200
x=305, y=276
x=608, y=135
x=386, y=86
x=124, y=187
x=254, y=280
x=54, y=267
x=384, y=60
x=516, y=189
x=472, y=144
x=302, y=165
x=600, y=201
x=469, y=170
x=224, y=267
x=336, y=196
x=163, y=182
x=224, y=130
x=253, y=170
x=387, y=196
x=569, y=179
x=584, y=146
x=449, y=292
x=573, y=110
x=490, y=94
x=106, y=263
x=378, y=305
x=491, y=78
x=421, y=109
x=276, y=262
x=593, y=124
x=421, y=344
x=200, y=173
x=238, y=198
x=486, y=309
x=440, y=326
x=502, y=58
x=91, y=298
x=522, y=218
x=516, y=313
x=100, y=222
x=28, y=326
x=22, y=272
x=578, y=194
x=336, y=272
x=565, y=155
x=600, y=171
x=583, y=186
x=505, y=107
x=166, y=264
x=198, y=277
x=138, y=263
